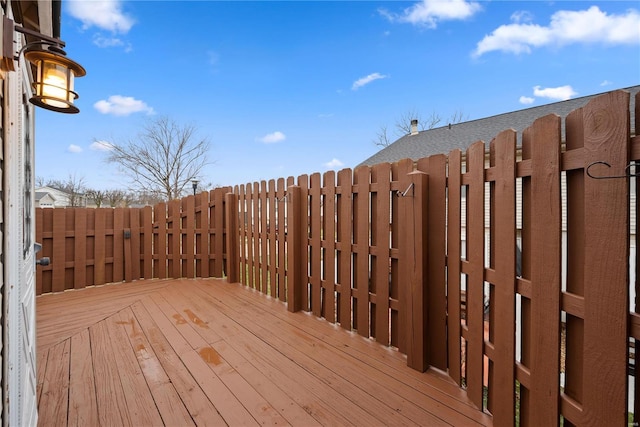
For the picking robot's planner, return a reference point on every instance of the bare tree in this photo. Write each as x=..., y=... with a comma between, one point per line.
x=403, y=125
x=163, y=159
x=98, y=196
x=382, y=137
x=114, y=197
x=74, y=186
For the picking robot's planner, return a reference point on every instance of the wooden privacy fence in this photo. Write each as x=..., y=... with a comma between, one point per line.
x=507, y=266
x=182, y=238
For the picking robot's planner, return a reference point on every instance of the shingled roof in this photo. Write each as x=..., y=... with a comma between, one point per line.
x=461, y=135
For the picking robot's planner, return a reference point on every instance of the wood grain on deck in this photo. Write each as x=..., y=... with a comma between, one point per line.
x=205, y=352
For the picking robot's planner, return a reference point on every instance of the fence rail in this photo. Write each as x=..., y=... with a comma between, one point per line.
x=531, y=317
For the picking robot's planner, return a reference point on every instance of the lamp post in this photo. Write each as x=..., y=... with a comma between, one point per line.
x=54, y=74
x=194, y=184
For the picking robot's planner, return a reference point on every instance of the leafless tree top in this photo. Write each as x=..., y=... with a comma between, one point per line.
x=163, y=159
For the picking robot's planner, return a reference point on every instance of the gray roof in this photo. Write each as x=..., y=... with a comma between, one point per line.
x=41, y=194
x=461, y=135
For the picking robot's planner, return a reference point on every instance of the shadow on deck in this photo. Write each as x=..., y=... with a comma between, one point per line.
x=205, y=352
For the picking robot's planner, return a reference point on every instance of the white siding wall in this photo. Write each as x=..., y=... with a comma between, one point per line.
x=19, y=370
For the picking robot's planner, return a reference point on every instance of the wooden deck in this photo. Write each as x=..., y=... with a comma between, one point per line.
x=205, y=352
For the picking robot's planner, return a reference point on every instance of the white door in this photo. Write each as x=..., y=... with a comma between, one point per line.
x=19, y=232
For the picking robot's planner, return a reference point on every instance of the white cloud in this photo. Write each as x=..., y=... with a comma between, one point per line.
x=122, y=106
x=566, y=27
x=526, y=100
x=521, y=16
x=334, y=164
x=72, y=148
x=366, y=80
x=272, y=138
x=104, y=14
x=101, y=146
x=101, y=41
x=560, y=93
x=606, y=83
x=430, y=12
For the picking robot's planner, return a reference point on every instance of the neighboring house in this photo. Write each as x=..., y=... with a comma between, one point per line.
x=44, y=199
x=48, y=197
x=442, y=140
x=60, y=199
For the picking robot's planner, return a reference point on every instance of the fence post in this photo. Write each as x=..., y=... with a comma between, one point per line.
x=294, y=249
x=233, y=255
x=414, y=269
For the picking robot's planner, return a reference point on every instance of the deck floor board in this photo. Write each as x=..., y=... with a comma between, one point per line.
x=205, y=352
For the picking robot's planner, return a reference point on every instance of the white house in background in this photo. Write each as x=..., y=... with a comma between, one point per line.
x=45, y=200
x=49, y=197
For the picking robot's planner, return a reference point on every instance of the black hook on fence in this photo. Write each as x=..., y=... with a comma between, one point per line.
x=627, y=170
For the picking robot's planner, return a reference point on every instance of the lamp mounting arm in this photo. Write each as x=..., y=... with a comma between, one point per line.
x=9, y=27
x=43, y=37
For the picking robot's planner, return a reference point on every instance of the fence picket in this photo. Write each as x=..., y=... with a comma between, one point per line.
x=454, y=254
x=606, y=289
x=187, y=237
x=574, y=329
x=315, y=244
x=436, y=206
x=399, y=183
x=474, y=179
x=146, y=217
x=99, y=249
x=344, y=214
x=202, y=252
x=303, y=183
x=381, y=250
x=160, y=240
x=281, y=229
x=329, y=253
x=255, y=237
x=121, y=258
x=58, y=254
x=501, y=393
x=80, y=250
x=273, y=243
x=361, y=220
x=264, y=239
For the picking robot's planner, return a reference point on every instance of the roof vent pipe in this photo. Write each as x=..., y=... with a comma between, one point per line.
x=414, y=127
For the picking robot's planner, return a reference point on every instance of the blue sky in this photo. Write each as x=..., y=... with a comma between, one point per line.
x=292, y=87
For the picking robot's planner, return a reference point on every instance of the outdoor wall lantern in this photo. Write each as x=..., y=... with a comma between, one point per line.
x=194, y=184
x=53, y=81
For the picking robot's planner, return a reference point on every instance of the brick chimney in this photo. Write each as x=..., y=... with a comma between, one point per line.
x=414, y=127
